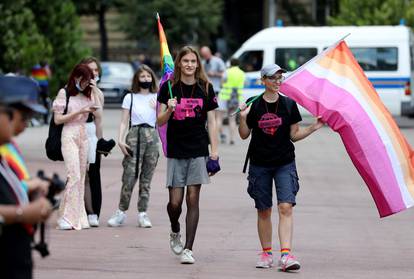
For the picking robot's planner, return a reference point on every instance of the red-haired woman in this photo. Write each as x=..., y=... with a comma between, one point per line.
x=72, y=214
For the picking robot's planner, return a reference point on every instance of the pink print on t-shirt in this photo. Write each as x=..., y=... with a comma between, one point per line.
x=188, y=108
x=269, y=122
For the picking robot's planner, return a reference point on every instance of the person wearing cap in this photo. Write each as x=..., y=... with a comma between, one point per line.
x=272, y=120
x=22, y=113
x=17, y=213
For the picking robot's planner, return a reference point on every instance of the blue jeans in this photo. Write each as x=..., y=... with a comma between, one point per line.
x=261, y=184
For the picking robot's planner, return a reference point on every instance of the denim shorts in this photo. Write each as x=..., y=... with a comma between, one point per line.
x=260, y=186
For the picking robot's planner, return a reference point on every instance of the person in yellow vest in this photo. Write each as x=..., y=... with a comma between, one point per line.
x=231, y=94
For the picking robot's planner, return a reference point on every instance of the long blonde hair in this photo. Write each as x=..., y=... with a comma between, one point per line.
x=200, y=74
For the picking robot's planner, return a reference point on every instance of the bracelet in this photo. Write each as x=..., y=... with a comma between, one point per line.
x=19, y=215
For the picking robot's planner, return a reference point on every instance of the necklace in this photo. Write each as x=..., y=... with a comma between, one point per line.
x=277, y=105
x=187, y=110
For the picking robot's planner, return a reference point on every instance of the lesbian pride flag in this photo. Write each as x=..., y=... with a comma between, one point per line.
x=332, y=85
x=167, y=68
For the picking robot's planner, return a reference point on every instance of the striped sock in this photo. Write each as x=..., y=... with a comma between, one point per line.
x=268, y=250
x=284, y=252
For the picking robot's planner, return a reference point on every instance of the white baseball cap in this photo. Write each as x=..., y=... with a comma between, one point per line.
x=270, y=70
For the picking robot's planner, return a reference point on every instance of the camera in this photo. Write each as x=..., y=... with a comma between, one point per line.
x=56, y=185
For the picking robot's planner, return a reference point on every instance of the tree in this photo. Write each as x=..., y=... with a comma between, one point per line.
x=98, y=8
x=373, y=12
x=184, y=21
x=59, y=23
x=21, y=44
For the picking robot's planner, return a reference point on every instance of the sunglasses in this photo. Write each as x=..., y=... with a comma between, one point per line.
x=277, y=79
x=8, y=111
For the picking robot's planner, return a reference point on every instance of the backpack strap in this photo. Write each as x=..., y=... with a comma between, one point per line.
x=130, y=111
x=67, y=101
x=246, y=160
x=254, y=105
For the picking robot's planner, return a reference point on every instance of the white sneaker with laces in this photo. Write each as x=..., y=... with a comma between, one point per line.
x=117, y=219
x=93, y=220
x=143, y=220
x=175, y=243
x=187, y=257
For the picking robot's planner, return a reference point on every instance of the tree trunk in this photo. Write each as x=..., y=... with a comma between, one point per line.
x=102, y=32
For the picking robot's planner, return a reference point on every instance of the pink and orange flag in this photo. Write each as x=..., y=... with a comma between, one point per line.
x=333, y=85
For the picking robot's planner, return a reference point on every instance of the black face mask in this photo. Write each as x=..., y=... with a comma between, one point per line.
x=145, y=84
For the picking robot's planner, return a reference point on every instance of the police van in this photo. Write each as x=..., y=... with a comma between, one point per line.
x=384, y=52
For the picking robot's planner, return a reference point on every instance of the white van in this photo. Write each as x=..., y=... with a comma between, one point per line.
x=384, y=53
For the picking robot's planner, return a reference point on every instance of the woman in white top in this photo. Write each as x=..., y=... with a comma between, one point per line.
x=138, y=141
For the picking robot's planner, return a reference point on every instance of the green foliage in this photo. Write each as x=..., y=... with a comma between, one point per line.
x=21, y=44
x=374, y=12
x=184, y=21
x=60, y=24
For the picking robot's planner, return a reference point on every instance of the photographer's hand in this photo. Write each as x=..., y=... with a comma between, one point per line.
x=38, y=186
x=34, y=212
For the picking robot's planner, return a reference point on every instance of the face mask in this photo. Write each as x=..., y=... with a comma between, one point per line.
x=77, y=85
x=97, y=78
x=145, y=84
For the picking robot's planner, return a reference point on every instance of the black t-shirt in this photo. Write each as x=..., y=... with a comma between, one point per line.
x=15, y=242
x=187, y=136
x=270, y=144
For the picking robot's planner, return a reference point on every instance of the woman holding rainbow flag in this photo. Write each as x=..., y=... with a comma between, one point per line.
x=187, y=106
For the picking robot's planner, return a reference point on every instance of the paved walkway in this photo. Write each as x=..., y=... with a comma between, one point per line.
x=338, y=233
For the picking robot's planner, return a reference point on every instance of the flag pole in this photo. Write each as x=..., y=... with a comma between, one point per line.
x=157, y=16
x=247, y=104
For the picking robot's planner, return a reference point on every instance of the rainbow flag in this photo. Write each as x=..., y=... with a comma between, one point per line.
x=40, y=75
x=167, y=67
x=333, y=85
x=14, y=159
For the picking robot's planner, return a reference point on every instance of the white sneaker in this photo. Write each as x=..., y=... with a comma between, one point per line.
x=93, y=220
x=289, y=263
x=265, y=261
x=143, y=220
x=175, y=243
x=63, y=225
x=117, y=219
x=187, y=257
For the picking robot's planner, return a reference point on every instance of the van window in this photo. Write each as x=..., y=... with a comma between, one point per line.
x=412, y=58
x=292, y=58
x=377, y=58
x=251, y=61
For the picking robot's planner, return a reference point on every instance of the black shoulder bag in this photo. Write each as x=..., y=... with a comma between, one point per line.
x=53, y=143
